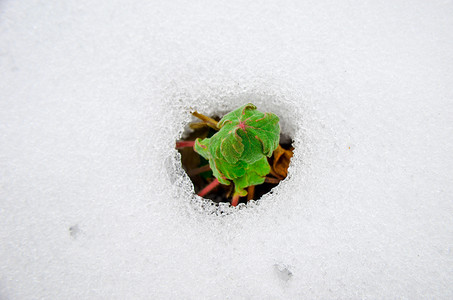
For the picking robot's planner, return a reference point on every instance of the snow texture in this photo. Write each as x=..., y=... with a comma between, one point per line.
x=94, y=203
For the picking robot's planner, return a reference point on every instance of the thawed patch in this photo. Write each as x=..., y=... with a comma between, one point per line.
x=193, y=173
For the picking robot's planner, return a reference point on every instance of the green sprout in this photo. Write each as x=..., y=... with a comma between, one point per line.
x=238, y=151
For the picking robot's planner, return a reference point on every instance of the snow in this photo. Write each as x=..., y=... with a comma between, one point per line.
x=94, y=203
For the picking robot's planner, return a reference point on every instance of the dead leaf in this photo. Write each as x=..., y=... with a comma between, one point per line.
x=282, y=158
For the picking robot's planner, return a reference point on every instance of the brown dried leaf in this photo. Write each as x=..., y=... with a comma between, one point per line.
x=209, y=121
x=282, y=158
x=198, y=125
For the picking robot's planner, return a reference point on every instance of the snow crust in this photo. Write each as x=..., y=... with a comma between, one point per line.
x=95, y=205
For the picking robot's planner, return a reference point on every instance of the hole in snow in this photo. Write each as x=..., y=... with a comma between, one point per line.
x=198, y=170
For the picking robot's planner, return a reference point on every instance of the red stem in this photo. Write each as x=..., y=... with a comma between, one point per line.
x=235, y=200
x=209, y=188
x=183, y=144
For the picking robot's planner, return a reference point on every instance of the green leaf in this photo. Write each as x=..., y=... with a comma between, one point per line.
x=255, y=130
x=254, y=175
x=228, y=143
x=236, y=114
x=237, y=152
x=202, y=147
x=264, y=128
x=214, y=164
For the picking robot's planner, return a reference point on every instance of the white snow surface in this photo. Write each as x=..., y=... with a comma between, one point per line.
x=94, y=203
